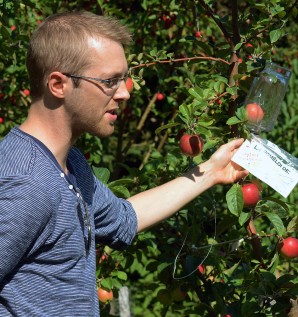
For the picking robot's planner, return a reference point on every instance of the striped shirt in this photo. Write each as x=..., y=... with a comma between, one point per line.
x=45, y=270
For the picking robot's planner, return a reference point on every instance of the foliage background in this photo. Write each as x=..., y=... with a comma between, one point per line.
x=204, y=78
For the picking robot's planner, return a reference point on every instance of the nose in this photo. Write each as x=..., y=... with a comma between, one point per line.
x=122, y=92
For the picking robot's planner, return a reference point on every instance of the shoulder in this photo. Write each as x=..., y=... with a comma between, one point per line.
x=16, y=154
x=24, y=197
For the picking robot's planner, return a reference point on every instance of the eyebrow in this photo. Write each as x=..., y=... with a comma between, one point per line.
x=115, y=74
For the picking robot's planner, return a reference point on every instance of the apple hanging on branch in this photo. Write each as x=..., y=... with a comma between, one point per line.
x=191, y=144
x=289, y=247
x=129, y=84
x=201, y=268
x=251, y=194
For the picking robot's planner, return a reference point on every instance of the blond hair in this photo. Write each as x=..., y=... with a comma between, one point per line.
x=60, y=44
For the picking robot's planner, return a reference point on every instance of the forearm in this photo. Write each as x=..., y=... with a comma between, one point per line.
x=159, y=203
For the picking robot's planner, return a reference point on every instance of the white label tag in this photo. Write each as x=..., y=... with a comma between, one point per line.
x=272, y=165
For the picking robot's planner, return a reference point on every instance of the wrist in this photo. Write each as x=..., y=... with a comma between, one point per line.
x=208, y=173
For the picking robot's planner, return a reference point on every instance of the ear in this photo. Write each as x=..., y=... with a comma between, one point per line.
x=58, y=84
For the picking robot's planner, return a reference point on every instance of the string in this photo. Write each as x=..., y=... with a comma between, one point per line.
x=176, y=258
x=210, y=246
x=205, y=247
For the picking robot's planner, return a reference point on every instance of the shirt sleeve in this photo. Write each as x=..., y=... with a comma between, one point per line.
x=25, y=210
x=115, y=219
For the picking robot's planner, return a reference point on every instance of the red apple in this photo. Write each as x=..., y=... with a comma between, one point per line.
x=104, y=295
x=289, y=248
x=167, y=21
x=129, y=84
x=13, y=27
x=191, y=144
x=254, y=113
x=198, y=34
x=1, y=120
x=26, y=92
x=160, y=96
x=201, y=268
x=251, y=194
x=103, y=258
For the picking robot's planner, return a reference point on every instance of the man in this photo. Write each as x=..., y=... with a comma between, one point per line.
x=52, y=208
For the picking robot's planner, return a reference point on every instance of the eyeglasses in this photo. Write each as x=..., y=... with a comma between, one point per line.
x=86, y=220
x=111, y=83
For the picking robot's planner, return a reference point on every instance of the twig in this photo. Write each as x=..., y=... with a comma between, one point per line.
x=141, y=123
x=210, y=13
x=184, y=59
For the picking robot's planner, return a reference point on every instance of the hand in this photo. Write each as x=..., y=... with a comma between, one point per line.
x=225, y=171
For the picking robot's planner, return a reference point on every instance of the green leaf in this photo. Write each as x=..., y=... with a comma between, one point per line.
x=241, y=113
x=275, y=203
x=163, y=266
x=116, y=283
x=274, y=263
x=136, y=85
x=234, y=199
x=293, y=225
x=140, y=56
x=102, y=173
x=210, y=143
x=276, y=221
x=166, y=126
x=244, y=216
x=185, y=111
x=275, y=35
x=122, y=275
x=233, y=120
x=202, y=130
x=196, y=92
x=121, y=182
x=120, y=191
x=153, y=52
x=206, y=123
x=107, y=283
x=232, y=90
x=238, y=45
x=231, y=270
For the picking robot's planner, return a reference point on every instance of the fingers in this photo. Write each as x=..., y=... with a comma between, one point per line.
x=239, y=168
x=235, y=144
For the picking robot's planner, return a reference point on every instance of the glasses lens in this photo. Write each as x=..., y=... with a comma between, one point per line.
x=113, y=83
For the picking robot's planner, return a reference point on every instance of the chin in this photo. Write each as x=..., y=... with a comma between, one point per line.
x=103, y=134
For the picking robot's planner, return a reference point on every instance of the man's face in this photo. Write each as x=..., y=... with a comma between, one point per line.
x=93, y=106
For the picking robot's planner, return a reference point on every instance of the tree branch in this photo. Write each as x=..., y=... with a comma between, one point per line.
x=184, y=59
x=210, y=13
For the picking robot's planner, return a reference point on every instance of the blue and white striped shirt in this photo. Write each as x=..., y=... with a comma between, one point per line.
x=44, y=268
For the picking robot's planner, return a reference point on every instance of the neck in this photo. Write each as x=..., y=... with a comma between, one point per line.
x=50, y=127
